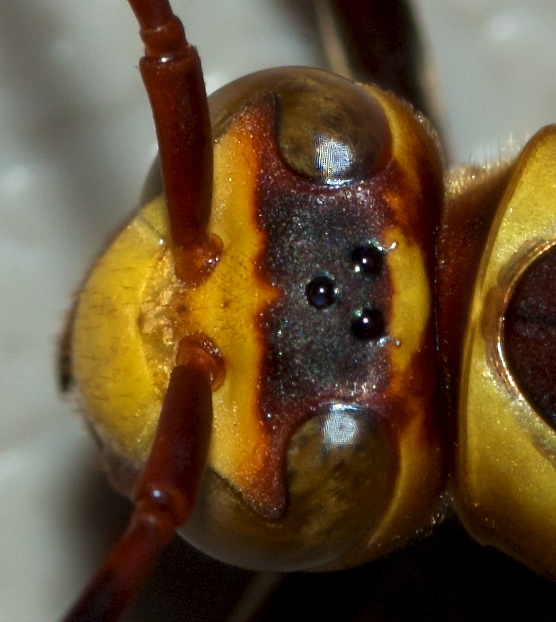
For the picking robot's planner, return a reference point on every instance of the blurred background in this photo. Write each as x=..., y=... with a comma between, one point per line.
x=76, y=140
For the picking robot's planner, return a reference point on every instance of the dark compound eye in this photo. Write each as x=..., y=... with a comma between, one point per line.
x=367, y=259
x=321, y=292
x=368, y=324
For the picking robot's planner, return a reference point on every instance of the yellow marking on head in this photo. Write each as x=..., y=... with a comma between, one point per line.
x=411, y=297
x=133, y=312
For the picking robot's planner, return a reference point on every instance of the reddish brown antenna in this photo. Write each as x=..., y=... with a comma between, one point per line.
x=166, y=491
x=164, y=495
x=173, y=77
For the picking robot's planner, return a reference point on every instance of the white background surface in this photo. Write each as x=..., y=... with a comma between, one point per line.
x=75, y=143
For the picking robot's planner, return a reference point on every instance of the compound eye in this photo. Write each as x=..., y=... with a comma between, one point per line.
x=332, y=131
x=321, y=292
x=329, y=130
x=367, y=260
x=368, y=324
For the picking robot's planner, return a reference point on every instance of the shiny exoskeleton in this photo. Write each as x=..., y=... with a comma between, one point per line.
x=306, y=306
